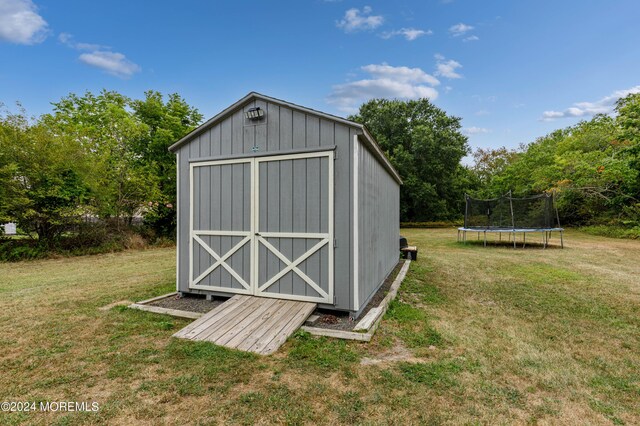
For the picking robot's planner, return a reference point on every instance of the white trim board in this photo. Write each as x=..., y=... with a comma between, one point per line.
x=177, y=221
x=143, y=305
x=355, y=224
x=367, y=326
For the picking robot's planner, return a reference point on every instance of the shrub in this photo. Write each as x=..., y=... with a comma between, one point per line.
x=613, y=231
x=454, y=224
x=85, y=239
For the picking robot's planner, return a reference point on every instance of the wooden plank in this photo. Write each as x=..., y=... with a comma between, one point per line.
x=294, y=323
x=215, y=211
x=153, y=299
x=203, y=217
x=289, y=308
x=312, y=131
x=271, y=140
x=327, y=136
x=299, y=129
x=272, y=207
x=280, y=310
x=339, y=334
x=286, y=131
x=237, y=125
x=250, y=323
x=299, y=219
x=167, y=311
x=204, y=322
x=285, y=283
x=252, y=320
x=372, y=322
x=266, y=333
x=227, y=321
x=253, y=327
x=367, y=321
x=226, y=218
x=196, y=326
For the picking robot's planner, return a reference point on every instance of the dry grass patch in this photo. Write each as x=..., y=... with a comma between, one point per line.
x=477, y=335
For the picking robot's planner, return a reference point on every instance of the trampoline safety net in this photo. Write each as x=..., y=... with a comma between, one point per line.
x=507, y=212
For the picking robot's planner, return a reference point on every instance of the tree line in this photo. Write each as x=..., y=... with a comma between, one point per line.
x=103, y=159
x=593, y=168
x=97, y=158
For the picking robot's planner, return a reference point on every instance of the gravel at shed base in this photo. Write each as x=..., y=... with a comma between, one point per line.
x=336, y=320
x=188, y=303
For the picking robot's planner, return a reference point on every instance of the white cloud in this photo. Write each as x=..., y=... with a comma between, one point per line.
x=482, y=112
x=64, y=38
x=402, y=74
x=68, y=40
x=460, y=29
x=354, y=20
x=409, y=33
x=113, y=63
x=475, y=130
x=471, y=38
x=447, y=68
x=588, y=109
x=385, y=81
x=483, y=99
x=20, y=22
x=101, y=57
x=551, y=115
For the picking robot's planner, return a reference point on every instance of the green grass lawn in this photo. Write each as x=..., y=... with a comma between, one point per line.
x=477, y=335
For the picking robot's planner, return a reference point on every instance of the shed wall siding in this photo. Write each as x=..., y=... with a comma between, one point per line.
x=285, y=130
x=379, y=224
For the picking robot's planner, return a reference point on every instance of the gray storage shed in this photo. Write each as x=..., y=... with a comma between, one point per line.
x=278, y=200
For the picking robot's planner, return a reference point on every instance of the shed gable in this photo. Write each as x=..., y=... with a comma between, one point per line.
x=282, y=130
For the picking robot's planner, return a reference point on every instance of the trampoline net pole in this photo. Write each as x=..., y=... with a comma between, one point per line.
x=513, y=223
x=466, y=208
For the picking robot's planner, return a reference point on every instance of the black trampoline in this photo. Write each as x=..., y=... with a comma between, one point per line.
x=512, y=216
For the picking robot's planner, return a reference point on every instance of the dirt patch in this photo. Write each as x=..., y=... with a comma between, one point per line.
x=190, y=303
x=335, y=320
x=398, y=353
x=114, y=304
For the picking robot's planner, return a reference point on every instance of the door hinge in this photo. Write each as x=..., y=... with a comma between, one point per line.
x=335, y=243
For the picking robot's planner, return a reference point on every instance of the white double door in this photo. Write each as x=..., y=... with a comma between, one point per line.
x=263, y=226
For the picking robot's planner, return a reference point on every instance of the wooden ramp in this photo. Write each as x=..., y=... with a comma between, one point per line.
x=249, y=323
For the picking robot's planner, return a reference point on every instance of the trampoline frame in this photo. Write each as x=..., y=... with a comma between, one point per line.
x=546, y=234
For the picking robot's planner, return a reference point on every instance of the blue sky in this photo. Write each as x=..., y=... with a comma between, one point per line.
x=513, y=70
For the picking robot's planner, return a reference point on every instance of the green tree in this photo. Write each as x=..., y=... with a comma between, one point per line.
x=108, y=131
x=589, y=165
x=166, y=123
x=491, y=162
x=44, y=177
x=628, y=120
x=426, y=146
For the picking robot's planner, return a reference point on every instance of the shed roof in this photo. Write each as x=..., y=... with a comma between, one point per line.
x=365, y=137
